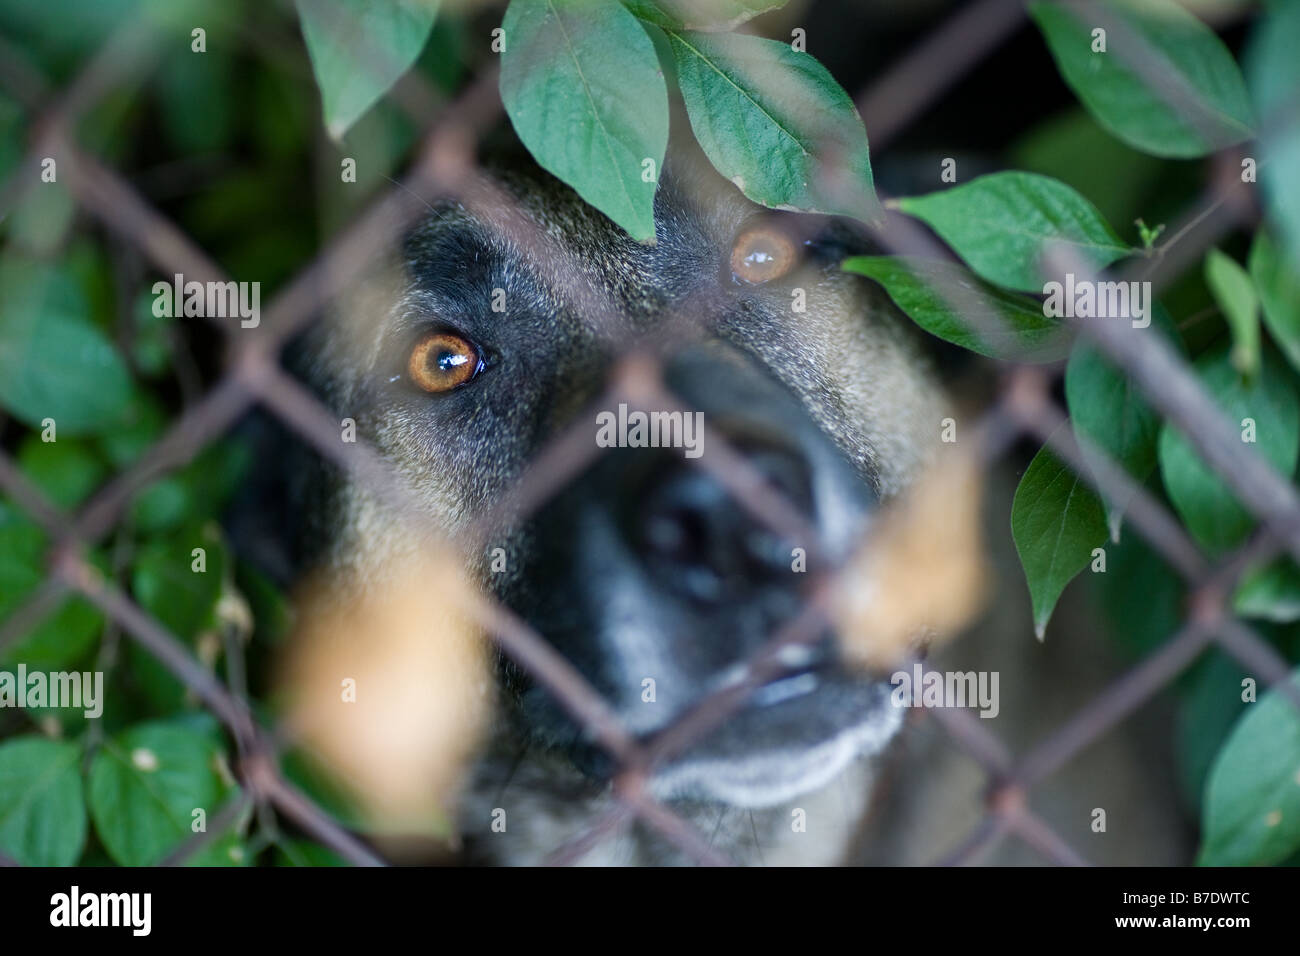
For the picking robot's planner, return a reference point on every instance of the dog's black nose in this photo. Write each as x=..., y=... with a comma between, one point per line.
x=701, y=542
x=658, y=582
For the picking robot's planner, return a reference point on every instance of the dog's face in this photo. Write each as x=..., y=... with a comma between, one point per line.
x=644, y=571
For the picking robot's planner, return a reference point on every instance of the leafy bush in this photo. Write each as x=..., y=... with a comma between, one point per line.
x=91, y=376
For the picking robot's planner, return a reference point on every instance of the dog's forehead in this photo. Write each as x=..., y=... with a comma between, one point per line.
x=535, y=228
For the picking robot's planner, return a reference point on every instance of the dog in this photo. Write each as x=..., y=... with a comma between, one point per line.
x=497, y=329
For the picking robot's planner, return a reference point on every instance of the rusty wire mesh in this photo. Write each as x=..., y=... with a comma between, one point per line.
x=444, y=167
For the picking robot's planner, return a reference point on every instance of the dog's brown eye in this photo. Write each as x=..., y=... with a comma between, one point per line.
x=762, y=253
x=442, y=361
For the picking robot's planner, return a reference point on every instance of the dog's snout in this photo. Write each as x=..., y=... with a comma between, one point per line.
x=700, y=540
x=663, y=576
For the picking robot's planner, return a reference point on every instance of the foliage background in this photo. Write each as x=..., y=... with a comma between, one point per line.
x=233, y=146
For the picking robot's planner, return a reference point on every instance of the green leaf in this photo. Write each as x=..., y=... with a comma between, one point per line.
x=1110, y=412
x=13, y=124
x=771, y=120
x=66, y=471
x=1004, y=223
x=1274, y=72
x=42, y=218
x=196, y=95
x=141, y=425
x=165, y=583
x=1212, y=515
x=1278, y=285
x=183, y=600
x=144, y=787
x=1071, y=147
x=306, y=853
x=1056, y=522
x=1170, y=43
x=162, y=505
x=1234, y=292
x=197, y=491
x=700, y=14
x=584, y=91
x=936, y=296
x=272, y=609
x=1271, y=592
x=1252, y=800
x=1143, y=599
x=42, y=811
x=64, y=635
x=1208, y=707
x=360, y=48
x=54, y=363
x=443, y=59
x=151, y=338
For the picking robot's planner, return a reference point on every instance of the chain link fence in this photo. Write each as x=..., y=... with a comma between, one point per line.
x=444, y=167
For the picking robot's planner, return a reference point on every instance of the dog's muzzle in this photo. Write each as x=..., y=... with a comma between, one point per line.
x=658, y=582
